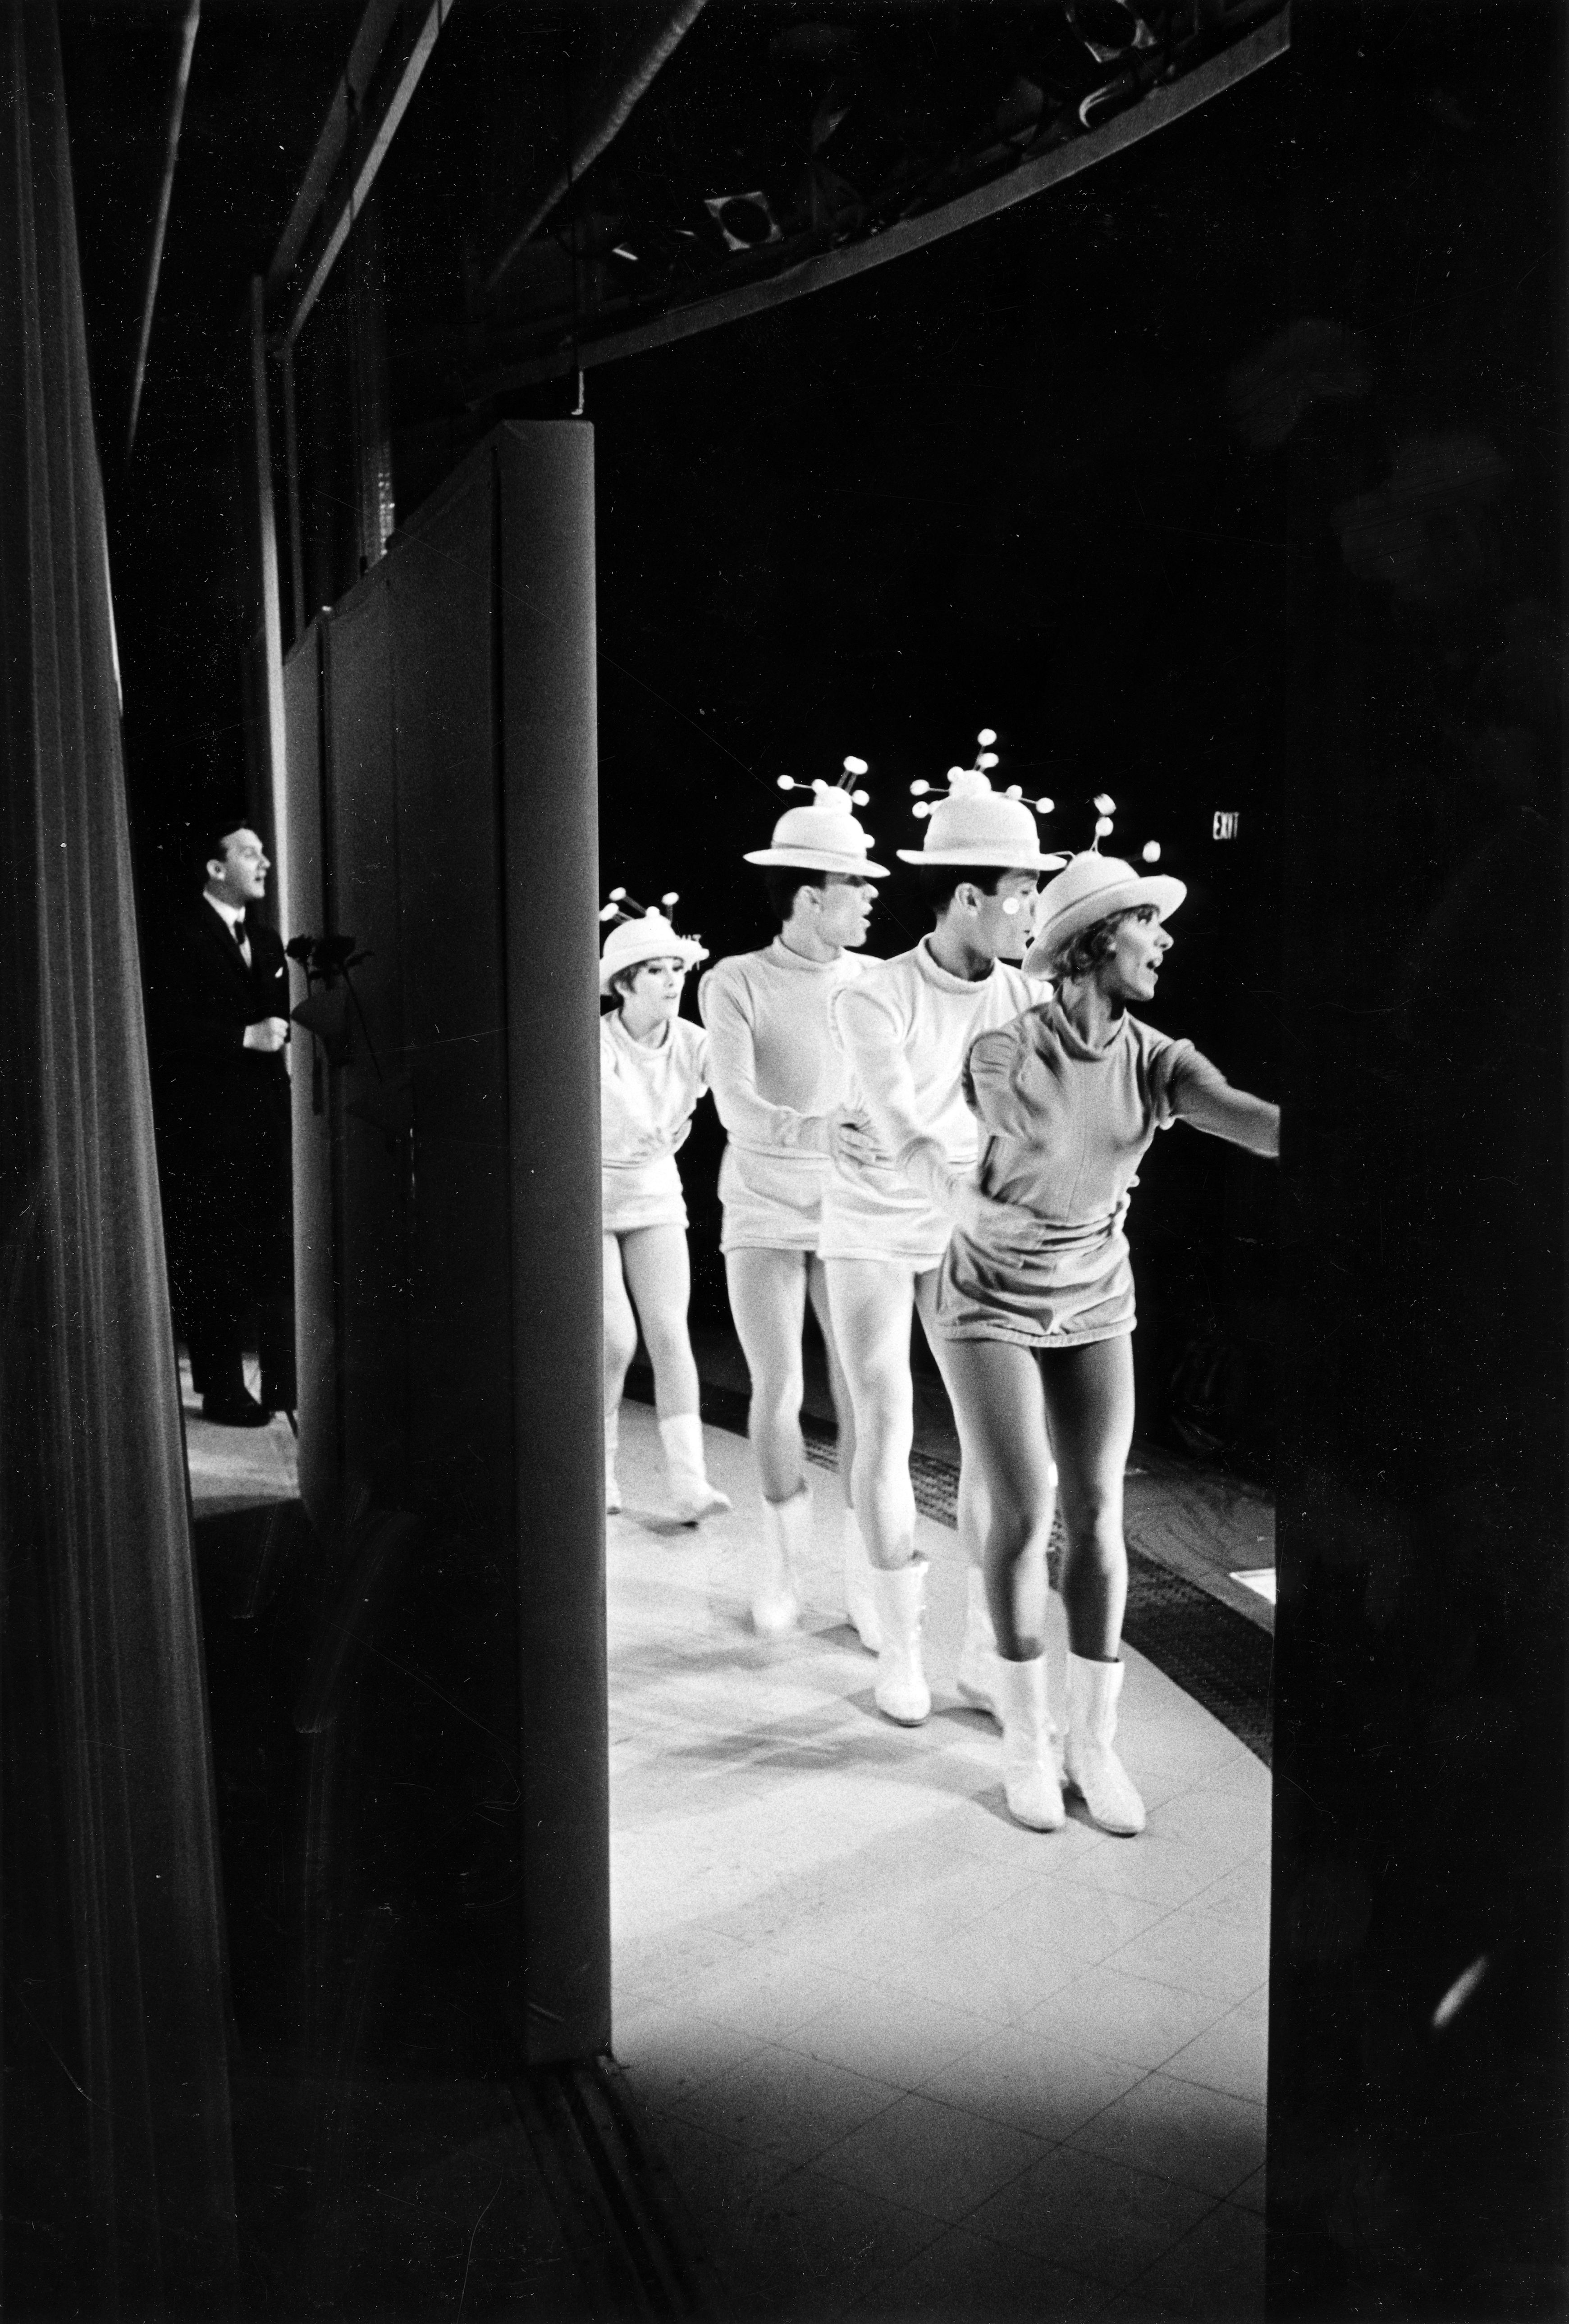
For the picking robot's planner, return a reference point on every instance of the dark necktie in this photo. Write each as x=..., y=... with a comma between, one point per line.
x=238, y=933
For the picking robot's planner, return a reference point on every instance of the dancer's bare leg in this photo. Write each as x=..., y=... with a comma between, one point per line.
x=870, y=1304
x=620, y=1325
x=1089, y=1403
x=1001, y=1412
x=838, y=1386
x=658, y=1274
x=967, y=1515
x=1005, y=1397
x=767, y=1301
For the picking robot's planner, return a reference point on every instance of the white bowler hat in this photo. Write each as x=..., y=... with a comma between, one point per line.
x=976, y=825
x=826, y=835
x=652, y=938
x=1090, y=889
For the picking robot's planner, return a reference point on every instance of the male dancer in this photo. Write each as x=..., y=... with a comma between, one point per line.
x=904, y=1027
x=777, y=1080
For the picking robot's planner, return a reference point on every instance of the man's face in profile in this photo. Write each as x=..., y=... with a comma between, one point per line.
x=239, y=876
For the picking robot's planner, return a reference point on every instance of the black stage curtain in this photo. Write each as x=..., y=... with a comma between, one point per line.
x=118, y=2174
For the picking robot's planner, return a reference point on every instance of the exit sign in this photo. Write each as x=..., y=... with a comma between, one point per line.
x=1224, y=826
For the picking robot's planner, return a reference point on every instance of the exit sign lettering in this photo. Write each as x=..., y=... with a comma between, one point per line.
x=1225, y=823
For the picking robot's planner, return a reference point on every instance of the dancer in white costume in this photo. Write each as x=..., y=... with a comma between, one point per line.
x=777, y=1079
x=905, y=1026
x=653, y=1067
x=1070, y=1097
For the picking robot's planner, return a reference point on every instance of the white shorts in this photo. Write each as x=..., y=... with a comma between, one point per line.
x=772, y=1202
x=879, y=1214
x=642, y=1194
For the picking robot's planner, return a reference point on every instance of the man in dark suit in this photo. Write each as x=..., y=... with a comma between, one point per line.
x=220, y=1026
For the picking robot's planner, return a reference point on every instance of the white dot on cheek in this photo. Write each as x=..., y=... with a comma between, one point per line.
x=1011, y=906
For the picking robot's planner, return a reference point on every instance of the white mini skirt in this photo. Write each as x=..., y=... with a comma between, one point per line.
x=772, y=1202
x=879, y=1214
x=642, y=1194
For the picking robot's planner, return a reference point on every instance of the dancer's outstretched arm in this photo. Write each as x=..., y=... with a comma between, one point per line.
x=1204, y=1097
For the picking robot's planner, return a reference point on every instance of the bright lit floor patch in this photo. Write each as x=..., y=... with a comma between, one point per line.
x=1262, y=1578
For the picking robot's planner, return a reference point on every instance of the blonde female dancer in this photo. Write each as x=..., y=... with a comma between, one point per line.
x=1035, y=1333
x=653, y=1067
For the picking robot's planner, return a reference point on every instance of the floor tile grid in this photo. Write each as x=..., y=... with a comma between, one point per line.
x=1009, y=2205
x=843, y=2154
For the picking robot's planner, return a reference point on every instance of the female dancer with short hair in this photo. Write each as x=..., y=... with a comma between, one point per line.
x=653, y=1067
x=1037, y=1337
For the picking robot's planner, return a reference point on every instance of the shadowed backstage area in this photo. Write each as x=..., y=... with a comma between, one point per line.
x=480, y=448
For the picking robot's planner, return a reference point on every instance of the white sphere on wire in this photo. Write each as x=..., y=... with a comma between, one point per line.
x=986, y=737
x=671, y=901
x=859, y=798
x=919, y=787
x=954, y=773
x=1103, y=826
x=855, y=766
x=1104, y=806
x=1044, y=805
x=784, y=783
x=987, y=758
x=1014, y=790
x=919, y=811
x=1150, y=851
x=617, y=894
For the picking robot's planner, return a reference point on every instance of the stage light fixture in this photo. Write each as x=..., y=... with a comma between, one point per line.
x=745, y=220
x=1109, y=29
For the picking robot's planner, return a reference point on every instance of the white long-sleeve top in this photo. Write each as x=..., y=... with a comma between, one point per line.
x=904, y=1029
x=647, y=1094
x=776, y=1070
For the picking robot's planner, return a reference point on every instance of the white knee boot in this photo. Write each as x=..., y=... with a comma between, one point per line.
x=976, y=1677
x=773, y=1560
x=1091, y=1766
x=612, y=1435
x=901, y=1692
x=690, y=1490
x=860, y=1600
x=1029, y=1777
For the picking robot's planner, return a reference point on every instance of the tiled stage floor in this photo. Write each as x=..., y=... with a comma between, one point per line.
x=904, y=2059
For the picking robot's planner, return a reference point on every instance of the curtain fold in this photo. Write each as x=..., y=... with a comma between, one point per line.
x=117, y=2151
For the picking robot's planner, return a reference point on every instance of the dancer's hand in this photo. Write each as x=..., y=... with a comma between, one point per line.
x=987, y=1220
x=850, y=1143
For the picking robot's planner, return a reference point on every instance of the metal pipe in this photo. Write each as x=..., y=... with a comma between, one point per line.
x=375, y=30
x=271, y=613
x=292, y=481
x=644, y=59
x=1164, y=104
x=161, y=222
x=336, y=218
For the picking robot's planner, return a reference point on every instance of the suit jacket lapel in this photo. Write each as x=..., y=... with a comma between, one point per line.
x=218, y=934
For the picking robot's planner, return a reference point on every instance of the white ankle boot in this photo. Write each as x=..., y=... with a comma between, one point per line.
x=774, y=1558
x=690, y=1490
x=860, y=1599
x=612, y=1435
x=1092, y=1768
x=976, y=1678
x=1030, y=1779
x=901, y=1692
